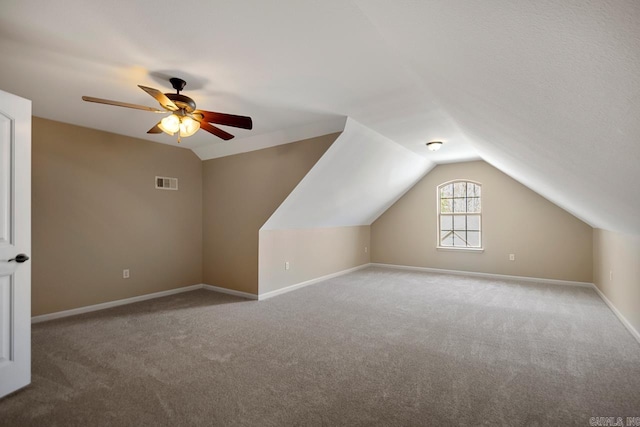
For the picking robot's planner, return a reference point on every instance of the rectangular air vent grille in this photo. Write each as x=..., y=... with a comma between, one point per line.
x=166, y=183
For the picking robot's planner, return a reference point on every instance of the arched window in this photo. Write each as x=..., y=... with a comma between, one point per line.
x=459, y=214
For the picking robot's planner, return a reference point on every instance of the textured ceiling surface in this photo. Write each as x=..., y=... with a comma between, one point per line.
x=547, y=91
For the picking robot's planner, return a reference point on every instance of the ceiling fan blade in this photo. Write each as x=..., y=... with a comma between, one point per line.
x=155, y=129
x=216, y=131
x=160, y=97
x=226, y=119
x=121, y=104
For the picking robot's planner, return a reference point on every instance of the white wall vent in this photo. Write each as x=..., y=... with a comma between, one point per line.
x=166, y=183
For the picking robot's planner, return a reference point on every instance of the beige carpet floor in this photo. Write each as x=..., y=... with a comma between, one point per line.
x=375, y=347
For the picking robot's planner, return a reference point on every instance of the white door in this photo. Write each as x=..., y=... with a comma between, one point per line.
x=15, y=243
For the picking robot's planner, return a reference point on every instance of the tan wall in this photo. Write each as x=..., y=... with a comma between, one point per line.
x=240, y=193
x=547, y=241
x=95, y=211
x=311, y=253
x=616, y=271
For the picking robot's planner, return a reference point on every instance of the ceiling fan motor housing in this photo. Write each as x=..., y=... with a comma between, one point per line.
x=183, y=102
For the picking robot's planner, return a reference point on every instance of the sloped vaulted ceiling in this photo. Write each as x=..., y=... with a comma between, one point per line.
x=547, y=91
x=356, y=180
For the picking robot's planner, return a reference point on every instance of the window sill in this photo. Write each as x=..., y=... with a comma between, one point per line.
x=452, y=249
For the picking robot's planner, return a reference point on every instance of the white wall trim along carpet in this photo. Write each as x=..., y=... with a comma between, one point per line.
x=487, y=275
x=619, y=315
x=221, y=290
x=309, y=282
x=110, y=304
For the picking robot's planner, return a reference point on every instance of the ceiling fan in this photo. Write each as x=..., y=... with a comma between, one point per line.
x=184, y=118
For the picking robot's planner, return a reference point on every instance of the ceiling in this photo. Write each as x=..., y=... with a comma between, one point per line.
x=335, y=194
x=547, y=91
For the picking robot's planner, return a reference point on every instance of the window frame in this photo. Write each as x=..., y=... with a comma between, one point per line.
x=439, y=214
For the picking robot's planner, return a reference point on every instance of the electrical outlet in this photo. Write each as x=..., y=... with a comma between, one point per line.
x=366, y=249
x=512, y=257
x=286, y=265
x=125, y=273
x=610, y=274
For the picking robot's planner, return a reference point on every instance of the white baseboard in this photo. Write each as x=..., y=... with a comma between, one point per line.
x=486, y=275
x=240, y=294
x=110, y=304
x=290, y=288
x=619, y=315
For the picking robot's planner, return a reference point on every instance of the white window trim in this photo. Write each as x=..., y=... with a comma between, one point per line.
x=479, y=249
x=459, y=249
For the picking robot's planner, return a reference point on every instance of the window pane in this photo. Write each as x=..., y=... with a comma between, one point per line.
x=446, y=191
x=473, y=204
x=473, y=222
x=446, y=222
x=473, y=190
x=459, y=222
x=460, y=189
x=458, y=239
x=446, y=205
x=473, y=237
x=459, y=205
x=446, y=239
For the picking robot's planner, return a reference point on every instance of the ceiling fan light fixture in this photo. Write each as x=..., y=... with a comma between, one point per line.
x=434, y=145
x=170, y=124
x=188, y=126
